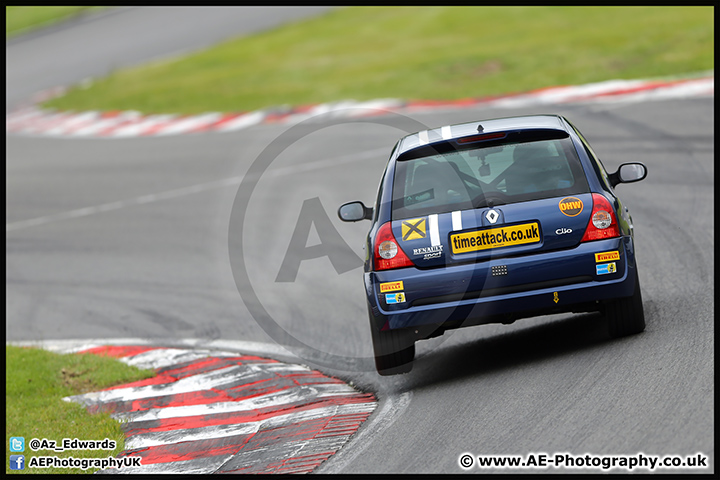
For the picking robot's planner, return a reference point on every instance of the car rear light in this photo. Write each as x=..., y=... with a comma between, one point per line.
x=479, y=138
x=603, y=223
x=388, y=253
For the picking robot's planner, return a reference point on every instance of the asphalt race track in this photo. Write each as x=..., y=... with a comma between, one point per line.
x=141, y=237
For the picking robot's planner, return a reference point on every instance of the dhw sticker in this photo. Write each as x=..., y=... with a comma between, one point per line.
x=606, y=268
x=571, y=206
x=391, y=287
x=391, y=298
x=607, y=256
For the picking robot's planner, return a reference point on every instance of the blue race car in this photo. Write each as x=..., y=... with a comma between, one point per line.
x=492, y=221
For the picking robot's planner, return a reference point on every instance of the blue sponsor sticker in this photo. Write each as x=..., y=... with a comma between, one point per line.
x=394, y=298
x=606, y=268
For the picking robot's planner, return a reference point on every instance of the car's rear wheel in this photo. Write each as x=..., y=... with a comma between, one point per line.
x=626, y=315
x=394, y=350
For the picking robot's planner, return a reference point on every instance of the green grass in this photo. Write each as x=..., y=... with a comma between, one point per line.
x=414, y=53
x=37, y=380
x=24, y=19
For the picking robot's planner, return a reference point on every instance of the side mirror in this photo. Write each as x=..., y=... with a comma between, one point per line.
x=354, y=212
x=628, y=173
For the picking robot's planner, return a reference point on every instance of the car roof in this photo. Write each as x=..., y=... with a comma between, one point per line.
x=450, y=132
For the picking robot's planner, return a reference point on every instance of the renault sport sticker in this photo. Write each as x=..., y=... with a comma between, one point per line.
x=428, y=252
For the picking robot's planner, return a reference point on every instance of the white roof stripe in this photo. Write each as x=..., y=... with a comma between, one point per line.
x=457, y=220
x=434, y=230
x=423, y=137
x=446, y=132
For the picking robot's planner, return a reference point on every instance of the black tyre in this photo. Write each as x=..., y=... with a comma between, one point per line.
x=394, y=350
x=626, y=315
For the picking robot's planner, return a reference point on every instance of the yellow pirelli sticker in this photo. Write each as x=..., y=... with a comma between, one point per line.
x=607, y=256
x=495, y=238
x=391, y=287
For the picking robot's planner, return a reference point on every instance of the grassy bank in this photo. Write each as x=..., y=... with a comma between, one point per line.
x=19, y=20
x=412, y=53
x=37, y=380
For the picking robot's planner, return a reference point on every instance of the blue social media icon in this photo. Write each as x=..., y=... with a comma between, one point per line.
x=17, y=444
x=17, y=462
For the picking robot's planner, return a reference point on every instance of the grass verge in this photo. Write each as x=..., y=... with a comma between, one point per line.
x=19, y=20
x=37, y=380
x=413, y=53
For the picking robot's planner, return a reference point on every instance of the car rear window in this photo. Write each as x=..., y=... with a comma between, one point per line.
x=486, y=174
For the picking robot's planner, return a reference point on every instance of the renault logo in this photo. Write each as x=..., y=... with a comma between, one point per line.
x=492, y=216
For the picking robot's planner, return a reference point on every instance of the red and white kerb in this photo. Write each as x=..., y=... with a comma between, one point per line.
x=222, y=412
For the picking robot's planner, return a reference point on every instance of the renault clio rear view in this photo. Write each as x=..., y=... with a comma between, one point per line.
x=490, y=222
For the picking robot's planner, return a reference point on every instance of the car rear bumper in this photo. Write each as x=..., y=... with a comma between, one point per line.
x=503, y=289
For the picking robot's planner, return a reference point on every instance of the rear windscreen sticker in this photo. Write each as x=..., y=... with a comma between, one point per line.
x=571, y=206
x=420, y=197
